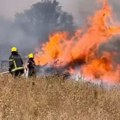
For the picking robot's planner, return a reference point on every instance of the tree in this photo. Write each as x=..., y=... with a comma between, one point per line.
x=44, y=18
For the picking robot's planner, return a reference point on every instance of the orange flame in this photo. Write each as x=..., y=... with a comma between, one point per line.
x=61, y=49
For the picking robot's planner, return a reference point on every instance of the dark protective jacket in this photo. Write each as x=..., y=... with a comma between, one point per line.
x=15, y=62
x=32, y=67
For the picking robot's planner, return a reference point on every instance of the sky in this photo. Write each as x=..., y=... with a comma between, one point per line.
x=78, y=8
x=8, y=8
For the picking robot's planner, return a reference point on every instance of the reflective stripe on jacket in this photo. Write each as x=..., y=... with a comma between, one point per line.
x=15, y=66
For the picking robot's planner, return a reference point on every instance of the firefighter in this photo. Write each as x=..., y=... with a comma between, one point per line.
x=15, y=63
x=31, y=66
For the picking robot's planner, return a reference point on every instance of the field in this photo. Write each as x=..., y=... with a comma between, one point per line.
x=53, y=98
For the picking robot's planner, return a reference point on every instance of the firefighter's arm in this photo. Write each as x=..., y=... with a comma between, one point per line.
x=10, y=64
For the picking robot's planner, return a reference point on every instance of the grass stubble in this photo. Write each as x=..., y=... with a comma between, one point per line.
x=52, y=98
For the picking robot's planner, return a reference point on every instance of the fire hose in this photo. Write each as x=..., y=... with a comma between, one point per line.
x=6, y=72
x=25, y=73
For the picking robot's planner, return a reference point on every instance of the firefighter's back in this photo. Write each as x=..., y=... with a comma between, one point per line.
x=16, y=64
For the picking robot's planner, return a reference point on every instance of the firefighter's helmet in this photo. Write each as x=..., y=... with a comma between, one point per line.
x=13, y=49
x=31, y=55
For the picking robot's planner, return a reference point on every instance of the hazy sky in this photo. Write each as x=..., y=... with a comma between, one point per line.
x=77, y=8
x=8, y=8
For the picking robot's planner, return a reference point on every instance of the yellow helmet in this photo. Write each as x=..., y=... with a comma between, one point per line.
x=13, y=49
x=31, y=55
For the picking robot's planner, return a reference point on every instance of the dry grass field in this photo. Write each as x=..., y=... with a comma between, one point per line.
x=53, y=98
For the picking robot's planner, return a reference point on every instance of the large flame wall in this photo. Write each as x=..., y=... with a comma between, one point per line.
x=62, y=49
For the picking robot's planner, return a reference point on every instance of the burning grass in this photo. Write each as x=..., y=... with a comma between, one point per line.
x=52, y=98
x=81, y=50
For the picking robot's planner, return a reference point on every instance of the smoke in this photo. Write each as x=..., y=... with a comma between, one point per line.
x=82, y=9
x=32, y=27
x=112, y=47
x=11, y=35
x=116, y=7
